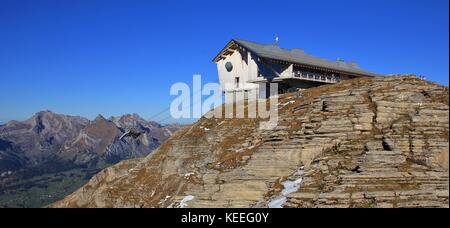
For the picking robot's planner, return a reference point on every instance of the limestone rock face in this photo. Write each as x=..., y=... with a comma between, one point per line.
x=369, y=142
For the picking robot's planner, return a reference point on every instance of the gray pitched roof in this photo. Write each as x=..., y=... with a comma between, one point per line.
x=298, y=56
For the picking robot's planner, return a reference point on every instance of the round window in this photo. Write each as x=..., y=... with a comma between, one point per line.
x=229, y=66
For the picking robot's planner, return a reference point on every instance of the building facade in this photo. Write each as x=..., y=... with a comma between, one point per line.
x=245, y=67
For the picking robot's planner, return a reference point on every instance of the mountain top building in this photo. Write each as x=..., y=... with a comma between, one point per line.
x=244, y=66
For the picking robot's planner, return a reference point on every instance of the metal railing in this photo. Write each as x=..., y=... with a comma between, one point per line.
x=316, y=77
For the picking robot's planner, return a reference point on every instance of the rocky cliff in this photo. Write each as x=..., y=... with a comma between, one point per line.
x=369, y=142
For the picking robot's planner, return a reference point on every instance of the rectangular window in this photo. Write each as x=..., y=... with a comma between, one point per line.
x=236, y=80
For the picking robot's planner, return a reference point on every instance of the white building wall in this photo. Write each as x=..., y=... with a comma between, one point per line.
x=252, y=67
x=288, y=72
x=245, y=70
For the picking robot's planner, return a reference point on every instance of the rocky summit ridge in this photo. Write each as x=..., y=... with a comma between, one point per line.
x=367, y=142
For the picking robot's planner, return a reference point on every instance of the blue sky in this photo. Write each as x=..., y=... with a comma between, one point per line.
x=114, y=57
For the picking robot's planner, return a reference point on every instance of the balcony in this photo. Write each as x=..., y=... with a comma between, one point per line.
x=310, y=76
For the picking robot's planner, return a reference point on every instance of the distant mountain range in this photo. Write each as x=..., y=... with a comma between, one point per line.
x=50, y=143
x=56, y=140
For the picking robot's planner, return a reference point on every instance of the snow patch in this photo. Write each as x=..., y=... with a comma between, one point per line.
x=291, y=186
x=183, y=203
x=287, y=103
x=288, y=188
x=164, y=200
x=300, y=172
x=187, y=175
x=278, y=202
x=204, y=128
